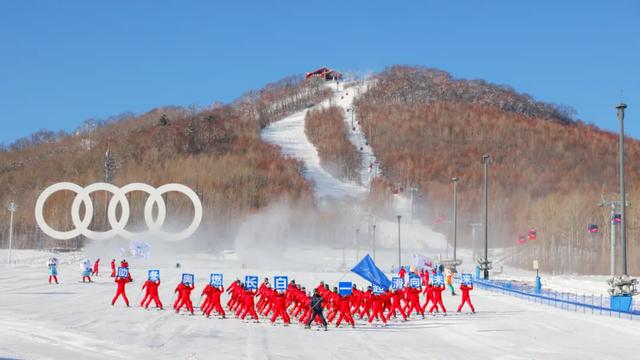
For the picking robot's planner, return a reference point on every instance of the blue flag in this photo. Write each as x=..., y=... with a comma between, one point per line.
x=368, y=270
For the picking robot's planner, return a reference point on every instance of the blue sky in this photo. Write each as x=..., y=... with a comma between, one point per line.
x=64, y=62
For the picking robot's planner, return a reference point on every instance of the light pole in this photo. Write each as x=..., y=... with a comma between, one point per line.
x=455, y=180
x=623, y=200
x=12, y=208
x=399, y=247
x=373, y=243
x=485, y=220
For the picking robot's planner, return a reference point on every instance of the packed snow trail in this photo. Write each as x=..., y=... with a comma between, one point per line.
x=75, y=321
x=289, y=134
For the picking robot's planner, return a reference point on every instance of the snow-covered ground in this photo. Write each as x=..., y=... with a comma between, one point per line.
x=75, y=320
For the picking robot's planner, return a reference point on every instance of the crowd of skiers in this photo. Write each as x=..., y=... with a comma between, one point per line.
x=295, y=303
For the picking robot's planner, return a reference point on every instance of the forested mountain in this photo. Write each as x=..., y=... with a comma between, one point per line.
x=547, y=170
x=216, y=151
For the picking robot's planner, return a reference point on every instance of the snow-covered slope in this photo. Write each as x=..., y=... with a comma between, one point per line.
x=75, y=321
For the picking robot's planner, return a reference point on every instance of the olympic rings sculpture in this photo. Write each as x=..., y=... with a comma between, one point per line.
x=118, y=225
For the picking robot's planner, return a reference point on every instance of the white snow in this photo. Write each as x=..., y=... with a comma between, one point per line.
x=74, y=320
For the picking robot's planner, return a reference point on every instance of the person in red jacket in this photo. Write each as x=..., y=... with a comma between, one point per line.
x=125, y=265
x=414, y=301
x=233, y=297
x=113, y=267
x=344, y=304
x=365, y=307
x=260, y=304
x=121, y=283
x=248, y=305
x=185, y=297
x=333, y=298
x=214, y=294
x=207, y=300
x=96, y=266
x=402, y=272
x=428, y=291
x=437, y=299
x=466, y=298
x=280, y=308
x=152, y=294
x=377, y=302
x=396, y=305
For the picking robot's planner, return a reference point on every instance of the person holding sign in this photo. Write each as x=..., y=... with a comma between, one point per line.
x=437, y=298
x=377, y=305
x=122, y=278
x=52, y=264
x=184, y=293
x=151, y=287
x=396, y=304
x=85, y=267
x=214, y=295
x=248, y=305
x=280, y=309
x=465, y=287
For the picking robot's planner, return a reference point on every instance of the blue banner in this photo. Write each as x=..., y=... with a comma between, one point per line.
x=123, y=272
x=215, y=280
x=368, y=270
x=345, y=288
x=188, y=279
x=154, y=275
x=280, y=283
x=251, y=282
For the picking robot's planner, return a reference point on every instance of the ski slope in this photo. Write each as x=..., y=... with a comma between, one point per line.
x=75, y=321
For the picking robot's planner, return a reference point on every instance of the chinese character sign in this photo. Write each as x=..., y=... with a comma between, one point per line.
x=251, y=282
x=123, y=272
x=154, y=275
x=215, y=280
x=377, y=289
x=188, y=279
x=438, y=280
x=397, y=283
x=466, y=279
x=415, y=281
x=280, y=283
x=344, y=288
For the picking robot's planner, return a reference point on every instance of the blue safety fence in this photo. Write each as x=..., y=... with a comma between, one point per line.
x=585, y=303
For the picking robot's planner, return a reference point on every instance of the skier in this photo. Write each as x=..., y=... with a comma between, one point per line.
x=152, y=294
x=402, y=272
x=396, y=305
x=85, y=266
x=113, y=267
x=437, y=299
x=344, y=305
x=248, y=305
x=207, y=300
x=465, y=297
x=125, y=265
x=214, y=295
x=428, y=291
x=414, y=301
x=449, y=281
x=121, y=284
x=377, y=305
x=316, y=309
x=52, y=264
x=96, y=266
x=184, y=296
x=280, y=308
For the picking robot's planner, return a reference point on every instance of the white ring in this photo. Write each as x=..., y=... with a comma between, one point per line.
x=154, y=226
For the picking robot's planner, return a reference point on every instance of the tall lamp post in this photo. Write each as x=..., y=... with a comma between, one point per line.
x=623, y=200
x=12, y=208
x=485, y=220
x=455, y=180
x=399, y=247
